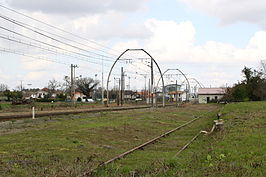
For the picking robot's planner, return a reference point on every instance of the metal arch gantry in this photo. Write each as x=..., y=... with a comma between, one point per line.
x=194, y=79
x=152, y=76
x=176, y=69
x=200, y=84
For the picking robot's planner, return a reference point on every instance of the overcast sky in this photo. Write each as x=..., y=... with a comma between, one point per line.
x=208, y=40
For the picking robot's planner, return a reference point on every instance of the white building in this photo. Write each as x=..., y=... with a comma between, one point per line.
x=207, y=95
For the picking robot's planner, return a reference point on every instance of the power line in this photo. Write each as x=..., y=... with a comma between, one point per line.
x=47, y=49
x=30, y=56
x=59, y=29
x=32, y=27
x=25, y=26
x=62, y=30
x=16, y=52
x=51, y=45
x=42, y=34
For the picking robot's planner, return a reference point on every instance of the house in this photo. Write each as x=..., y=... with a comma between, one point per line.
x=130, y=95
x=180, y=95
x=172, y=87
x=208, y=95
x=170, y=92
x=79, y=95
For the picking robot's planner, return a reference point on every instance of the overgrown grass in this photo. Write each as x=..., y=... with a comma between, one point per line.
x=238, y=150
x=8, y=107
x=71, y=145
x=74, y=144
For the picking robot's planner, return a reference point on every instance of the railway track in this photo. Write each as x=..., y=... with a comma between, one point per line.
x=141, y=146
x=25, y=115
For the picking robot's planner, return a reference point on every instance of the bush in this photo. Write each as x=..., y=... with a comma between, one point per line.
x=45, y=100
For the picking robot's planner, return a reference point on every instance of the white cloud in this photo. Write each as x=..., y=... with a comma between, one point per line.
x=122, y=46
x=232, y=11
x=35, y=64
x=107, y=26
x=170, y=38
x=216, y=63
x=169, y=42
x=35, y=76
x=77, y=6
x=173, y=41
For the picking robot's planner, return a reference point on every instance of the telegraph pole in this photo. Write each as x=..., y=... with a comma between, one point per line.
x=122, y=86
x=149, y=91
x=21, y=85
x=176, y=93
x=145, y=87
x=118, y=95
x=73, y=82
x=129, y=83
x=102, y=90
x=152, y=82
x=102, y=86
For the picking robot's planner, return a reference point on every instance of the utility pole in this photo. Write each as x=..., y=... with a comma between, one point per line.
x=21, y=85
x=187, y=93
x=128, y=82
x=102, y=90
x=122, y=86
x=117, y=90
x=73, y=82
x=149, y=91
x=145, y=87
x=102, y=86
x=152, y=82
x=118, y=94
x=176, y=93
x=114, y=84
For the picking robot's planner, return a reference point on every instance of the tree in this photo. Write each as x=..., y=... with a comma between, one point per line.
x=66, y=86
x=53, y=85
x=252, y=87
x=3, y=87
x=86, y=85
x=13, y=95
x=263, y=67
x=240, y=93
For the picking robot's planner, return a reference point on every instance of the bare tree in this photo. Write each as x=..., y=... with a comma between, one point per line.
x=86, y=85
x=3, y=87
x=263, y=67
x=66, y=86
x=53, y=85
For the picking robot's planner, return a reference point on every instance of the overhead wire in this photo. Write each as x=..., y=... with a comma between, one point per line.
x=45, y=43
x=34, y=29
x=30, y=56
x=62, y=30
x=42, y=48
x=47, y=36
x=59, y=29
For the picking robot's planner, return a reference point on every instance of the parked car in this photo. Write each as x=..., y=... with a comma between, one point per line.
x=90, y=100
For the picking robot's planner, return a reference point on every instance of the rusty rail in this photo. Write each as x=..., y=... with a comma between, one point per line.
x=140, y=146
x=25, y=115
x=147, y=143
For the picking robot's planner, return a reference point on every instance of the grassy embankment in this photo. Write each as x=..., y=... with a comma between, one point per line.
x=71, y=145
x=238, y=150
x=7, y=107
